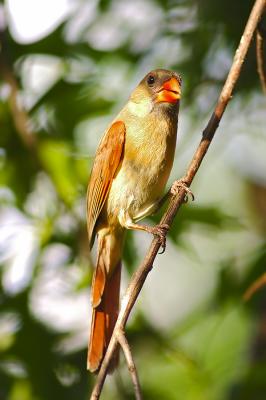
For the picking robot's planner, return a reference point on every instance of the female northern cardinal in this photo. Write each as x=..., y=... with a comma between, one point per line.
x=130, y=171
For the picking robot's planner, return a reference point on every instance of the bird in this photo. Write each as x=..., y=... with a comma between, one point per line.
x=129, y=174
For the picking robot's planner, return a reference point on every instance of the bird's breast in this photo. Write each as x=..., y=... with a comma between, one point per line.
x=147, y=162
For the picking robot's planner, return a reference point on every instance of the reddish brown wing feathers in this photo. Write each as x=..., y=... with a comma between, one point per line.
x=107, y=160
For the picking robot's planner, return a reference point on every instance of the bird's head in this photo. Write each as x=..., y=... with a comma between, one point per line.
x=160, y=88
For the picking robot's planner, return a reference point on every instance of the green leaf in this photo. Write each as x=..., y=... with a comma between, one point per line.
x=54, y=156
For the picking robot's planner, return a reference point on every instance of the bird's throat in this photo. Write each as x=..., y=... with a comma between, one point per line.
x=140, y=109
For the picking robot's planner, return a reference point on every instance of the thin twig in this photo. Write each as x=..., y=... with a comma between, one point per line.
x=260, y=60
x=20, y=116
x=254, y=287
x=141, y=273
x=130, y=362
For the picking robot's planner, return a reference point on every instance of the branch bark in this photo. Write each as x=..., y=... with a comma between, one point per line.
x=254, y=287
x=141, y=273
x=260, y=60
x=20, y=117
x=130, y=363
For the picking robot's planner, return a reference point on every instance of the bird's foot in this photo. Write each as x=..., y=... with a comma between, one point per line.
x=181, y=184
x=160, y=232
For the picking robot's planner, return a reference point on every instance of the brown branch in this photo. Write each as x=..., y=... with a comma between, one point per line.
x=254, y=287
x=141, y=273
x=20, y=117
x=260, y=61
x=130, y=362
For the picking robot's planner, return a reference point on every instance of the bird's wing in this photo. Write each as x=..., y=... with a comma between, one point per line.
x=107, y=160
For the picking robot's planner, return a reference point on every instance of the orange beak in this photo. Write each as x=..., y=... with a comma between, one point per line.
x=170, y=91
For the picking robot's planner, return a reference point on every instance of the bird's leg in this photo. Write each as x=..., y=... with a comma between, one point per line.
x=174, y=189
x=161, y=202
x=181, y=184
x=158, y=231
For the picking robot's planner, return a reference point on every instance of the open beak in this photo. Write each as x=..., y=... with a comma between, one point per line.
x=170, y=91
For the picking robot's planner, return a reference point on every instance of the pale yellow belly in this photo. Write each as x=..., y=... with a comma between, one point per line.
x=141, y=180
x=147, y=162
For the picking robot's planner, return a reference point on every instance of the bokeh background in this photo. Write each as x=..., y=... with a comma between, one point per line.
x=67, y=67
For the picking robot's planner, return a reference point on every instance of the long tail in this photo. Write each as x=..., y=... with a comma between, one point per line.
x=105, y=299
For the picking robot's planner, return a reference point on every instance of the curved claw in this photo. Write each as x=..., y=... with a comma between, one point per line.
x=181, y=183
x=160, y=231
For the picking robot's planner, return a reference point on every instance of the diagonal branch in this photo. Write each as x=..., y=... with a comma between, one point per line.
x=254, y=287
x=141, y=273
x=20, y=117
x=130, y=363
x=260, y=61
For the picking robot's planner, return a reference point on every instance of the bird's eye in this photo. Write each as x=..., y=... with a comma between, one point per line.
x=151, y=80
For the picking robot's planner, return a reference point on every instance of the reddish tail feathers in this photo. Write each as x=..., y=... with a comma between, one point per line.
x=105, y=311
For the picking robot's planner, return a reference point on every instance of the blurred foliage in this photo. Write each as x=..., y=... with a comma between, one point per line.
x=90, y=63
